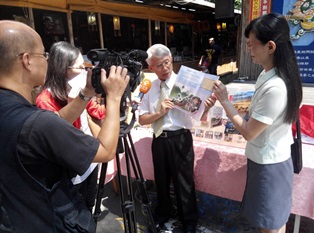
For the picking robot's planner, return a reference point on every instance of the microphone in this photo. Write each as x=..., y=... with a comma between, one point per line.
x=144, y=88
x=138, y=54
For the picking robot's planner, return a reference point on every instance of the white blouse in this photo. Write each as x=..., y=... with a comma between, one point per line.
x=268, y=106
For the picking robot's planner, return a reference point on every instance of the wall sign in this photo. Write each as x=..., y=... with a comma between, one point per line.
x=258, y=8
x=300, y=15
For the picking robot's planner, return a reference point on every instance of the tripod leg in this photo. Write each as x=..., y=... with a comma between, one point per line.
x=100, y=191
x=127, y=206
x=141, y=182
x=131, y=209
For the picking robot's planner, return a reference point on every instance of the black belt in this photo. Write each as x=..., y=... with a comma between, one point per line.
x=168, y=133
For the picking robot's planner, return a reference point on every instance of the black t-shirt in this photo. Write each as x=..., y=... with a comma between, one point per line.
x=48, y=144
x=213, y=53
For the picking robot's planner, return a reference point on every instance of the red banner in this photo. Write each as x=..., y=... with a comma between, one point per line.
x=258, y=8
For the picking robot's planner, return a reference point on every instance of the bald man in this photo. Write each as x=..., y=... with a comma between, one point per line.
x=40, y=151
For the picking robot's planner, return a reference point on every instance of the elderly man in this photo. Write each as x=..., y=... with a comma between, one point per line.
x=172, y=146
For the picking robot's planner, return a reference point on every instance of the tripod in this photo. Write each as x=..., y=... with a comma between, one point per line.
x=125, y=144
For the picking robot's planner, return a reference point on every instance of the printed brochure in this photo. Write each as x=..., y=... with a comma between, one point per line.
x=191, y=88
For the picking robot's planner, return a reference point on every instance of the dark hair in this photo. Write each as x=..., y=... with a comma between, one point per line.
x=274, y=27
x=61, y=55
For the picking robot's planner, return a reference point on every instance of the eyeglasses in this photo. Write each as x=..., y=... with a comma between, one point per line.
x=78, y=68
x=44, y=55
x=166, y=63
x=249, y=45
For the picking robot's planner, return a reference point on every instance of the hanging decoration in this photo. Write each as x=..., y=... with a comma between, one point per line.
x=224, y=26
x=218, y=26
x=116, y=26
x=91, y=21
x=157, y=25
x=171, y=28
x=116, y=23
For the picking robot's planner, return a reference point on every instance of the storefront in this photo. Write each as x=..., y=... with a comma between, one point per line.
x=92, y=24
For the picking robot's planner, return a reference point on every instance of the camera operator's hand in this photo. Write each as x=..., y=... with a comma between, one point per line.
x=89, y=90
x=116, y=82
x=108, y=135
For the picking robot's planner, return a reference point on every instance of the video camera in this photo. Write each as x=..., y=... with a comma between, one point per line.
x=130, y=60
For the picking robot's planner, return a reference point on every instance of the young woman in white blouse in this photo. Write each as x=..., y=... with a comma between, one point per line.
x=267, y=198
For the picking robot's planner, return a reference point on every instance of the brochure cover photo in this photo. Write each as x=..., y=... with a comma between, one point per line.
x=191, y=88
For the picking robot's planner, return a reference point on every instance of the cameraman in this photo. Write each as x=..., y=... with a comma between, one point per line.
x=39, y=150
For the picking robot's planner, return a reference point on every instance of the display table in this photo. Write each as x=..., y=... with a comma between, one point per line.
x=221, y=170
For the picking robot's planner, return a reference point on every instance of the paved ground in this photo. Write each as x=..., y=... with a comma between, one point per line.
x=216, y=215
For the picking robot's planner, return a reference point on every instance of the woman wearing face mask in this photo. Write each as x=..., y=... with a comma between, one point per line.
x=66, y=76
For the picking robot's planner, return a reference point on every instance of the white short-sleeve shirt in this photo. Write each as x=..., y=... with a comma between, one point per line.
x=174, y=119
x=268, y=106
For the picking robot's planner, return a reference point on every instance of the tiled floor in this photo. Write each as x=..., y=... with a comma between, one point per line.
x=216, y=215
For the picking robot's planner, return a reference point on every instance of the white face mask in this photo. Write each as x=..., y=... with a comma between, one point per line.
x=77, y=83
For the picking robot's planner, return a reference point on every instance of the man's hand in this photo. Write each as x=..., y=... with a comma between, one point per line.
x=166, y=105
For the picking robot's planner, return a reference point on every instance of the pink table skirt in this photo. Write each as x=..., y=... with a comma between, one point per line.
x=111, y=171
x=221, y=170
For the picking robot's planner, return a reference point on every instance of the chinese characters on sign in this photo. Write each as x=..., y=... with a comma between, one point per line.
x=258, y=8
x=304, y=61
x=300, y=15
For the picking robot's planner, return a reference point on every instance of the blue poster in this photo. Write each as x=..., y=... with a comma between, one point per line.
x=300, y=14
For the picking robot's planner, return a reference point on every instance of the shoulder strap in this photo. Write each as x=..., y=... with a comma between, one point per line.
x=297, y=122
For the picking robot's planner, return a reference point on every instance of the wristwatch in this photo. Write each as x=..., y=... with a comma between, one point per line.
x=83, y=97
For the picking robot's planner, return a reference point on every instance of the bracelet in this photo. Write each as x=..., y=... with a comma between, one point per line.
x=83, y=97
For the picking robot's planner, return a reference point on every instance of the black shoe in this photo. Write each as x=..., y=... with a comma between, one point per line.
x=189, y=228
x=192, y=231
x=151, y=230
x=160, y=222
